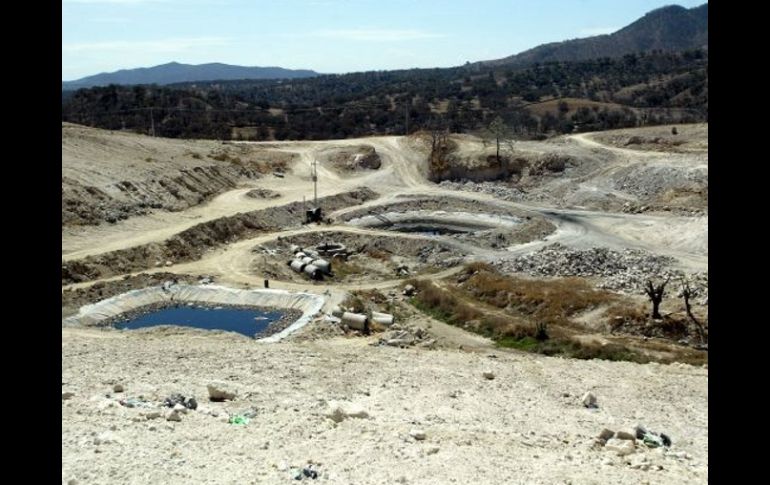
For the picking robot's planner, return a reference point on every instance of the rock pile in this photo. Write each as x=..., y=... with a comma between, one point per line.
x=497, y=190
x=624, y=271
x=406, y=336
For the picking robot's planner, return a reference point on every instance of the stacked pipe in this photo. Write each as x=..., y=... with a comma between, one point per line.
x=311, y=266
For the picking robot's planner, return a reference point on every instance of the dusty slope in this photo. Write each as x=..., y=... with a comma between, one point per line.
x=492, y=431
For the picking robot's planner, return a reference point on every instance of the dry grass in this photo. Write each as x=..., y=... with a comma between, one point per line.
x=343, y=269
x=552, y=302
x=516, y=312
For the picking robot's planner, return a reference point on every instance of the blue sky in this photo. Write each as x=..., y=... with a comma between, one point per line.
x=329, y=36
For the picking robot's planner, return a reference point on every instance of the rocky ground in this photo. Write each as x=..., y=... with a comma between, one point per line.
x=361, y=414
x=624, y=271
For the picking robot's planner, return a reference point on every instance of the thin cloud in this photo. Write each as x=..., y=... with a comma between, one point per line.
x=108, y=20
x=377, y=35
x=591, y=31
x=115, y=2
x=163, y=45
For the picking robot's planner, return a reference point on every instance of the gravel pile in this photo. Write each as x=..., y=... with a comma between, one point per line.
x=624, y=271
x=495, y=189
x=648, y=181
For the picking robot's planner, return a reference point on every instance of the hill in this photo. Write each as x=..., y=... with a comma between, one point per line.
x=671, y=28
x=175, y=72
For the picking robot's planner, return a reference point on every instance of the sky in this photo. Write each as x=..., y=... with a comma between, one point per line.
x=328, y=36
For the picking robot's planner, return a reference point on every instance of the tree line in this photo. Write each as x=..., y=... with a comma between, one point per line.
x=636, y=89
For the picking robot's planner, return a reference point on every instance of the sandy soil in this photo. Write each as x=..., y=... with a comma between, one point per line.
x=477, y=430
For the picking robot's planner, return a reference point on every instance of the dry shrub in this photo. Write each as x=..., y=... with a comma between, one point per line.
x=378, y=254
x=549, y=302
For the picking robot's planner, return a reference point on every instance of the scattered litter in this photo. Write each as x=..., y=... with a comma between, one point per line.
x=237, y=419
x=174, y=399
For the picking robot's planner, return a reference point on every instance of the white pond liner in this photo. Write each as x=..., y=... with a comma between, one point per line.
x=309, y=304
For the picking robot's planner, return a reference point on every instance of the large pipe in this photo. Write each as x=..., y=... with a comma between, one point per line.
x=298, y=265
x=300, y=255
x=313, y=272
x=307, y=260
x=323, y=265
x=382, y=318
x=295, y=249
x=355, y=320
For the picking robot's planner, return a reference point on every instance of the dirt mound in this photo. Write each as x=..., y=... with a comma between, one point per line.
x=347, y=159
x=263, y=194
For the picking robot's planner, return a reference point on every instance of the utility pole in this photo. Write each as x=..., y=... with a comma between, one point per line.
x=315, y=183
x=152, y=124
x=406, y=116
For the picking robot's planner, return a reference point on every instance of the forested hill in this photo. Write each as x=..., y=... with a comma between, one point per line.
x=174, y=72
x=554, y=97
x=671, y=28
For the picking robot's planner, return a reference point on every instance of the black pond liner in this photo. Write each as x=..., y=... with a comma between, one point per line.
x=250, y=321
x=429, y=229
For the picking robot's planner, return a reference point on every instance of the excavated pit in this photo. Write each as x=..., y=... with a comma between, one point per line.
x=285, y=311
x=437, y=222
x=355, y=257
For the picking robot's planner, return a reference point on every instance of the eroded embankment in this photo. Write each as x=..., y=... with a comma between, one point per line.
x=91, y=205
x=189, y=245
x=105, y=311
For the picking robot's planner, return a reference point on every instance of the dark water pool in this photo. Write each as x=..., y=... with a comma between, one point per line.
x=428, y=230
x=246, y=322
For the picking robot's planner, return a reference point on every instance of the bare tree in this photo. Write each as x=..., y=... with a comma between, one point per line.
x=501, y=133
x=439, y=135
x=687, y=294
x=655, y=293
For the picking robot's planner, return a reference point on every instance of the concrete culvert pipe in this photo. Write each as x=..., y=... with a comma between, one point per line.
x=300, y=255
x=307, y=260
x=337, y=312
x=382, y=318
x=355, y=320
x=298, y=265
x=313, y=272
x=295, y=249
x=323, y=265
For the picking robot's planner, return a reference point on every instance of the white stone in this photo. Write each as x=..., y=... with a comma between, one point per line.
x=589, y=400
x=621, y=447
x=417, y=434
x=173, y=415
